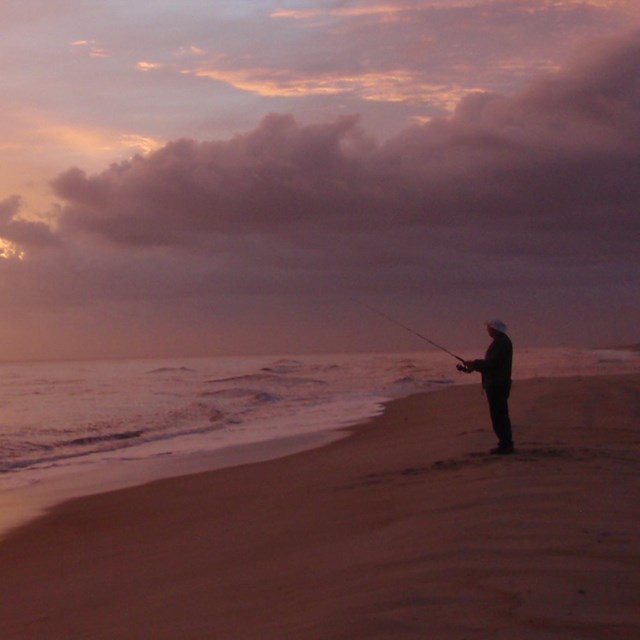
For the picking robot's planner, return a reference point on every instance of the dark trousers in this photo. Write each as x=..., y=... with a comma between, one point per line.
x=498, y=396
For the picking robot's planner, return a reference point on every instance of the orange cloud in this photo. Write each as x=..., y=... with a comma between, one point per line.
x=93, y=50
x=399, y=85
x=385, y=9
x=10, y=250
x=142, y=144
x=143, y=65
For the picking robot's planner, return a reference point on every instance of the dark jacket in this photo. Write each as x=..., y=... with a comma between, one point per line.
x=496, y=366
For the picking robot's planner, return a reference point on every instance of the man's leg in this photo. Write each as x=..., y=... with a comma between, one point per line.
x=498, y=396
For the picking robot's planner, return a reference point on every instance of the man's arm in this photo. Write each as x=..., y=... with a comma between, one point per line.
x=496, y=355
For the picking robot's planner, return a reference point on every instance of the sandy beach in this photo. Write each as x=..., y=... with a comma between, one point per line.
x=405, y=529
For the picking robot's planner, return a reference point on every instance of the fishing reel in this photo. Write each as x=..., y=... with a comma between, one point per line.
x=463, y=368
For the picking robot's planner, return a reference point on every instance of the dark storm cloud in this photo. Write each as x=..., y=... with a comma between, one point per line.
x=22, y=232
x=549, y=172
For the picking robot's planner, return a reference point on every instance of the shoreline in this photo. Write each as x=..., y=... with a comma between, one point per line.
x=406, y=528
x=23, y=505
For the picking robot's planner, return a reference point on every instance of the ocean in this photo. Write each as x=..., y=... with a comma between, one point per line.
x=64, y=423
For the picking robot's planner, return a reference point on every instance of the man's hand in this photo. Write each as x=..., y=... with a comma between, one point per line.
x=465, y=367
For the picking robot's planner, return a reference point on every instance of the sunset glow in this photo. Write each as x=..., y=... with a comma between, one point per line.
x=10, y=250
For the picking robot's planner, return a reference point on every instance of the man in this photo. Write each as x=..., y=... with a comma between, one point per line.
x=495, y=369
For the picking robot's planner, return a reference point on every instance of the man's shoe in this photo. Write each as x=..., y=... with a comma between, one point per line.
x=502, y=451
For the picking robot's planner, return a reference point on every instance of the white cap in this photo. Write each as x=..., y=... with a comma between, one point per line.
x=498, y=325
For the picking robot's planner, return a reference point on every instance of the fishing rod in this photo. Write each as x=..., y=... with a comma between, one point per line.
x=409, y=329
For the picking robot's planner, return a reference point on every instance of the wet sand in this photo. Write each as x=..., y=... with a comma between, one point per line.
x=405, y=529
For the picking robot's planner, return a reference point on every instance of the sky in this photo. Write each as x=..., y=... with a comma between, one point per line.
x=234, y=177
